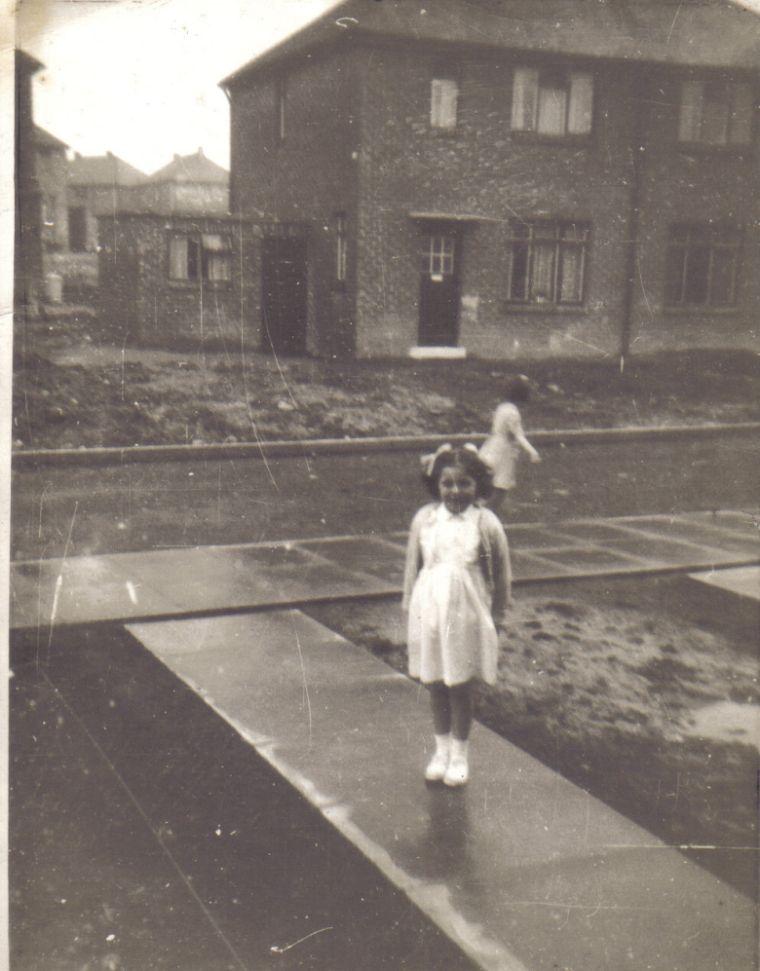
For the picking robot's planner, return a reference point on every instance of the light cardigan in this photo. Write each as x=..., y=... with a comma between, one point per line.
x=494, y=558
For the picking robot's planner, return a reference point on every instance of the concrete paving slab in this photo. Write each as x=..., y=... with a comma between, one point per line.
x=700, y=534
x=81, y=589
x=667, y=552
x=362, y=555
x=746, y=522
x=529, y=566
x=532, y=537
x=522, y=869
x=743, y=581
x=581, y=560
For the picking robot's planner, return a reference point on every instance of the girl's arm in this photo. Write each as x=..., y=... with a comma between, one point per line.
x=522, y=441
x=413, y=558
x=502, y=570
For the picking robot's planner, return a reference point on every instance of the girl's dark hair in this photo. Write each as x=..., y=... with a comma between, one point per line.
x=518, y=390
x=466, y=459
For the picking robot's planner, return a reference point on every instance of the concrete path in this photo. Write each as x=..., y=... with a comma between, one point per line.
x=217, y=579
x=521, y=869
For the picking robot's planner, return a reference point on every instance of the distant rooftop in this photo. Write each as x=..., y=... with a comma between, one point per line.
x=43, y=139
x=106, y=169
x=699, y=33
x=192, y=168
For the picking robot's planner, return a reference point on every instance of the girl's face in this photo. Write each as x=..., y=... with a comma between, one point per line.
x=457, y=489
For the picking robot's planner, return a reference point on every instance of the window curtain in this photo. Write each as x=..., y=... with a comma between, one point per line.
x=581, y=104
x=524, y=99
x=178, y=257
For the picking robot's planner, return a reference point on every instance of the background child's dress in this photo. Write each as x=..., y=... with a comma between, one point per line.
x=457, y=584
x=500, y=450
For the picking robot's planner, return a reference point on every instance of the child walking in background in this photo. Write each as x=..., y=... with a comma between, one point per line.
x=500, y=450
x=457, y=587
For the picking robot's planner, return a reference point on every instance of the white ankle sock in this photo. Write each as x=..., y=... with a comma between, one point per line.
x=442, y=745
x=459, y=747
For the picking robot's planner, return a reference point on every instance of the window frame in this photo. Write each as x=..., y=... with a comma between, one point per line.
x=439, y=120
x=702, y=236
x=199, y=256
x=537, y=77
x=733, y=87
x=545, y=233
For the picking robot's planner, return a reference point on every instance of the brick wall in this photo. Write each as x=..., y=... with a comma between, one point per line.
x=685, y=185
x=375, y=102
x=140, y=303
x=309, y=175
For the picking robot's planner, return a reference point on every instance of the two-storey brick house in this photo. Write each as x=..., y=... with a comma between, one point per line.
x=512, y=178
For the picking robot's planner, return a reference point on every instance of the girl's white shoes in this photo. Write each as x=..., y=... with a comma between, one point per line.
x=449, y=762
x=437, y=766
x=457, y=772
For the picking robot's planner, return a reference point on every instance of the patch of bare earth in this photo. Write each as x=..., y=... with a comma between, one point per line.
x=611, y=697
x=72, y=391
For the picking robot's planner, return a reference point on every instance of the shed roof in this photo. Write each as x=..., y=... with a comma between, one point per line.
x=106, y=169
x=699, y=33
x=192, y=168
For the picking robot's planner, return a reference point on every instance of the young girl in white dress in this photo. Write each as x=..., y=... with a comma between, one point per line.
x=457, y=588
x=500, y=450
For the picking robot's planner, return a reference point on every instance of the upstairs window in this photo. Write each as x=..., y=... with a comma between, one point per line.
x=204, y=256
x=552, y=102
x=444, y=95
x=548, y=262
x=702, y=265
x=716, y=112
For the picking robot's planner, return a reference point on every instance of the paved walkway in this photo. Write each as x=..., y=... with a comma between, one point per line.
x=523, y=870
x=219, y=579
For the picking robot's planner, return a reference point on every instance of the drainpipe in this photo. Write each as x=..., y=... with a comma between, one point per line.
x=638, y=149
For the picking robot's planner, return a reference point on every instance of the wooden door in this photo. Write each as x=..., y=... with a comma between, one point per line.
x=439, y=290
x=284, y=294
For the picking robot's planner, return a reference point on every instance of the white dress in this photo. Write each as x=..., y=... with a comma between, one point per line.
x=452, y=637
x=500, y=451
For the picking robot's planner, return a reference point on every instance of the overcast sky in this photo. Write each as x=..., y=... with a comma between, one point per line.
x=140, y=77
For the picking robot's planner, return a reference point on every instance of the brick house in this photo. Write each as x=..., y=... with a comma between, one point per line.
x=52, y=164
x=27, y=249
x=97, y=184
x=512, y=178
x=189, y=183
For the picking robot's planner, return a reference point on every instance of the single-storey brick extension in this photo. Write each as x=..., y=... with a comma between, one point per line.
x=510, y=178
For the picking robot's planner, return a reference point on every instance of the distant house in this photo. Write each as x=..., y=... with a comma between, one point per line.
x=188, y=184
x=52, y=166
x=28, y=208
x=97, y=184
x=513, y=178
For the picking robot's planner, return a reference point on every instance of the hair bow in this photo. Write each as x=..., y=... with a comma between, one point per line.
x=428, y=461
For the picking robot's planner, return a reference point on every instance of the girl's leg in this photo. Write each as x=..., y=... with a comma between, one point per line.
x=461, y=710
x=458, y=772
x=440, y=704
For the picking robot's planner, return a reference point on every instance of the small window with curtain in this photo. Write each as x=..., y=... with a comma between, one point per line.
x=552, y=101
x=444, y=95
x=702, y=266
x=716, y=112
x=548, y=262
x=194, y=257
